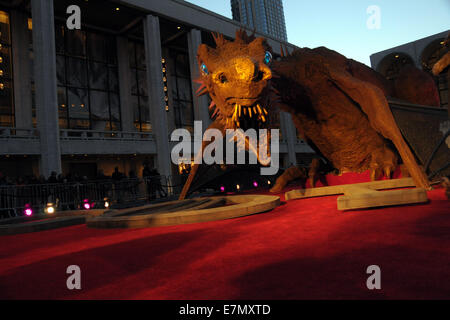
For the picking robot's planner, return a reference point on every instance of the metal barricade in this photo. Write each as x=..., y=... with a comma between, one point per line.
x=71, y=196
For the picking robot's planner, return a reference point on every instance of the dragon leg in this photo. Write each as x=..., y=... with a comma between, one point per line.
x=296, y=172
x=215, y=125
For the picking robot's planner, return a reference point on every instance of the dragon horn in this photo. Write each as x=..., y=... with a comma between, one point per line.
x=201, y=87
x=205, y=91
x=275, y=90
x=215, y=113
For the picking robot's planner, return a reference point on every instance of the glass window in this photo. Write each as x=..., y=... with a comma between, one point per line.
x=139, y=91
x=88, y=92
x=432, y=54
x=6, y=83
x=182, y=90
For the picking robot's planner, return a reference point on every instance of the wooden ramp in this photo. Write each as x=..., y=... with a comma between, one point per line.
x=367, y=195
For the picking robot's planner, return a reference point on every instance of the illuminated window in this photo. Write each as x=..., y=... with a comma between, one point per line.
x=181, y=89
x=88, y=85
x=392, y=64
x=6, y=83
x=432, y=54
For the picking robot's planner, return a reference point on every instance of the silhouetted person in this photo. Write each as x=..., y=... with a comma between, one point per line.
x=116, y=177
x=133, y=183
x=156, y=177
x=53, y=178
x=147, y=175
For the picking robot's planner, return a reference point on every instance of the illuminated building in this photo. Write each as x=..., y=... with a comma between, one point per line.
x=110, y=94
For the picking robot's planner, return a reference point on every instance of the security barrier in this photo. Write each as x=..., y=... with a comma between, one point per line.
x=16, y=199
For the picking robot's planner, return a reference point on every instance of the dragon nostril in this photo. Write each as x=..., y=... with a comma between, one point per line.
x=259, y=76
x=222, y=78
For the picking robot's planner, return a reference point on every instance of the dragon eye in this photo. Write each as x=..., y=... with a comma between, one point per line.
x=204, y=69
x=267, y=57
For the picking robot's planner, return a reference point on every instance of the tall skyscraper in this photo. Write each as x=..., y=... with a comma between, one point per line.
x=263, y=15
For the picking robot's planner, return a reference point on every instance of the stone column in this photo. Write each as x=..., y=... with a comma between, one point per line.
x=22, y=72
x=201, y=112
x=45, y=82
x=289, y=134
x=158, y=116
x=126, y=107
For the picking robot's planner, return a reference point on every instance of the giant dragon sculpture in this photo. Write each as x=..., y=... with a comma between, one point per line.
x=338, y=105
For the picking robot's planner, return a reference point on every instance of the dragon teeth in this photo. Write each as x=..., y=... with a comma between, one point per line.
x=259, y=108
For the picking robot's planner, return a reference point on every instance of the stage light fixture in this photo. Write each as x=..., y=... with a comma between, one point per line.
x=106, y=203
x=86, y=204
x=50, y=208
x=28, y=211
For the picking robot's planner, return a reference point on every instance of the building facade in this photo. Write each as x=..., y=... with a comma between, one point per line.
x=266, y=16
x=422, y=53
x=109, y=94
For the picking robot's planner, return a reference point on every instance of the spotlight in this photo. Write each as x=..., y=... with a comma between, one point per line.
x=238, y=187
x=50, y=208
x=222, y=189
x=28, y=211
x=255, y=184
x=106, y=203
x=268, y=182
x=86, y=204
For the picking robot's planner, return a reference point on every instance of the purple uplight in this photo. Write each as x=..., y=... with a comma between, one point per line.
x=222, y=189
x=255, y=184
x=86, y=204
x=28, y=211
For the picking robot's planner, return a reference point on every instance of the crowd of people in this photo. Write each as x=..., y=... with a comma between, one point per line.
x=6, y=180
x=71, y=189
x=54, y=178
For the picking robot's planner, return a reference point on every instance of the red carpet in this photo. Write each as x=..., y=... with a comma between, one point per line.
x=304, y=249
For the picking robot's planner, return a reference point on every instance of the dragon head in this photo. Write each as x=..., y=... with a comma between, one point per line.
x=236, y=75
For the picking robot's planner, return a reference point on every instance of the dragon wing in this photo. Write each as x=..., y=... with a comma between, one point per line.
x=375, y=105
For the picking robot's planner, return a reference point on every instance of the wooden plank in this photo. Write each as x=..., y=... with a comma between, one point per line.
x=374, y=199
x=335, y=190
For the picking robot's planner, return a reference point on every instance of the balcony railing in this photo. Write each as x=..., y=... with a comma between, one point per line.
x=70, y=134
x=7, y=133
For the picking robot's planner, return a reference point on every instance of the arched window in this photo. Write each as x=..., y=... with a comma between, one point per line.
x=392, y=64
x=430, y=55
